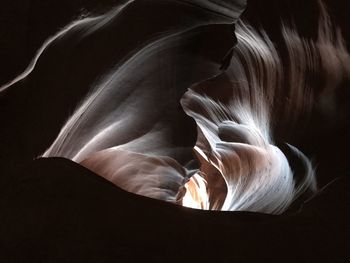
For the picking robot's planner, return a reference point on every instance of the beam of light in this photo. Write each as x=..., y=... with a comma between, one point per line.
x=196, y=195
